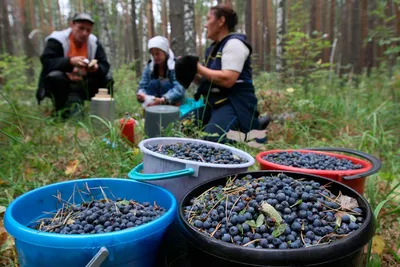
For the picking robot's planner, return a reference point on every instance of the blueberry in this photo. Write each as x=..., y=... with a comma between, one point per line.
x=353, y=226
x=276, y=242
x=241, y=219
x=296, y=226
x=206, y=225
x=198, y=224
x=233, y=231
x=283, y=246
x=263, y=243
x=245, y=227
x=246, y=240
x=290, y=238
x=294, y=245
x=302, y=214
x=281, y=197
x=317, y=223
x=357, y=210
x=310, y=235
x=263, y=229
x=248, y=216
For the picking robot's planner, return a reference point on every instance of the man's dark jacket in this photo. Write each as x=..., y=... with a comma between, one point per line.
x=55, y=57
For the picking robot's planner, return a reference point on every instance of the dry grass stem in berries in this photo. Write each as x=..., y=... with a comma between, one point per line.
x=198, y=152
x=276, y=212
x=96, y=216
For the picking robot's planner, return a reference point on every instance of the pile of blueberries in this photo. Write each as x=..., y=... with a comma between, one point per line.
x=100, y=216
x=308, y=213
x=311, y=161
x=198, y=152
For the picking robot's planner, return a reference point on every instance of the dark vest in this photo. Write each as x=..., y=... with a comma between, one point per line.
x=213, y=56
x=241, y=96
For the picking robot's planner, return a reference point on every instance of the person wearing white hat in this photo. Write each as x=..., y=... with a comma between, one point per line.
x=158, y=84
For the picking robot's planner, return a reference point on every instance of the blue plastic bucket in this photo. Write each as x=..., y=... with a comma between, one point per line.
x=130, y=247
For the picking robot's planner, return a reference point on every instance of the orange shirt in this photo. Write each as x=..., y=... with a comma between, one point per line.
x=77, y=51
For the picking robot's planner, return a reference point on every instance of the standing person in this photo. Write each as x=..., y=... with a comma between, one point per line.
x=74, y=65
x=158, y=84
x=225, y=78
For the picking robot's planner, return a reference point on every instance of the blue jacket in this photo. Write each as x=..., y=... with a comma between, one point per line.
x=169, y=88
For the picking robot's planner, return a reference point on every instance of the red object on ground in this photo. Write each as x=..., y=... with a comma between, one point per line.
x=340, y=176
x=127, y=126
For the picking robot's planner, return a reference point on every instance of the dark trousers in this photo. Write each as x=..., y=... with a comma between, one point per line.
x=65, y=92
x=158, y=87
x=216, y=121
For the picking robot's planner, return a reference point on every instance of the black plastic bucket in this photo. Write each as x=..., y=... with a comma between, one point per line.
x=347, y=252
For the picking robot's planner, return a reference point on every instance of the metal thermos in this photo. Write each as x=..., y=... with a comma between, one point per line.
x=103, y=106
x=158, y=119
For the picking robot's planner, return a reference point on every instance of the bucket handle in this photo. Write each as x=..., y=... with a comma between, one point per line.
x=98, y=259
x=376, y=164
x=136, y=174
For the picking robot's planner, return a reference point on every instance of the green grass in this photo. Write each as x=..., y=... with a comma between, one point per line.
x=36, y=149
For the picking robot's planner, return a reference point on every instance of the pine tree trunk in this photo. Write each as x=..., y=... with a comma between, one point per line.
x=260, y=34
x=29, y=51
x=50, y=15
x=318, y=16
x=325, y=27
x=199, y=29
x=135, y=39
x=254, y=34
x=177, y=28
x=397, y=12
x=105, y=33
x=2, y=50
x=41, y=12
x=271, y=28
x=356, y=37
x=61, y=25
x=331, y=32
x=189, y=28
x=313, y=16
x=265, y=37
x=2, y=46
x=280, y=27
x=150, y=19
x=164, y=18
x=364, y=32
x=254, y=24
x=346, y=33
x=370, y=59
x=248, y=20
x=32, y=20
x=9, y=47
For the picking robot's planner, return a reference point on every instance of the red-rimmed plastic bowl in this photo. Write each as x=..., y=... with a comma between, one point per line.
x=353, y=178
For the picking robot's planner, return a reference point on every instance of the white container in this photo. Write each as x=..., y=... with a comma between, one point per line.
x=179, y=176
x=103, y=105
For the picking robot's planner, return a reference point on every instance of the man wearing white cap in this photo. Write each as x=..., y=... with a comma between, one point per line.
x=158, y=84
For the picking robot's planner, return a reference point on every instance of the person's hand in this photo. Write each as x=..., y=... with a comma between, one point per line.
x=93, y=66
x=75, y=77
x=78, y=62
x=79, y=71
x=140, y=97
x=158, y=101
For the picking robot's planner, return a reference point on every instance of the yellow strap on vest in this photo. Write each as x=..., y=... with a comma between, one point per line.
x=220, y=101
